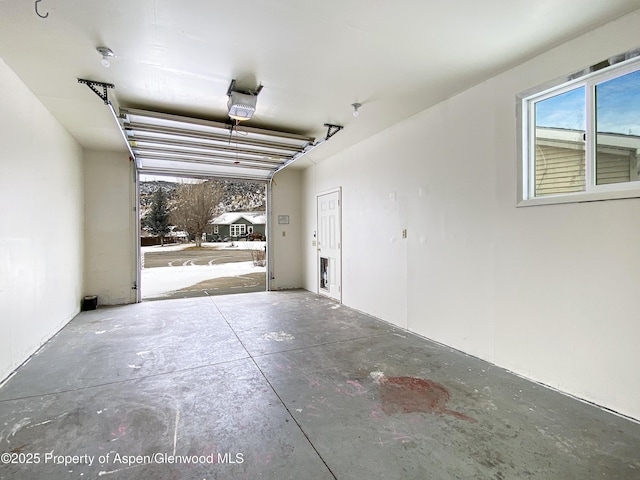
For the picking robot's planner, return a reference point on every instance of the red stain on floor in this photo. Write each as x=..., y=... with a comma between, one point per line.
x=416, y=395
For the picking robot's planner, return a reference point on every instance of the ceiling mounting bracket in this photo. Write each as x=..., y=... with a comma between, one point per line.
x=232, y=88
x=93, y=84
x=332, y=130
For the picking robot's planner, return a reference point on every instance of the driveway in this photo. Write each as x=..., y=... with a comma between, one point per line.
x=180, y=271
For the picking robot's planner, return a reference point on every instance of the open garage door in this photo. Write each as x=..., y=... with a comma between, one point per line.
x=189, y=147
x=170, y=145
x=176, y=146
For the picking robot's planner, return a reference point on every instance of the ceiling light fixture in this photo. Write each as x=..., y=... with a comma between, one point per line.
x=242, y=103
x=106, y=54
x=356, y=107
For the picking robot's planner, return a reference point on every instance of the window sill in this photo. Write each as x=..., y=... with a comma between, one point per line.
x=621, y=192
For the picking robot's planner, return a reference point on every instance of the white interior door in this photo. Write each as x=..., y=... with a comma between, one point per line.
x=329, y=248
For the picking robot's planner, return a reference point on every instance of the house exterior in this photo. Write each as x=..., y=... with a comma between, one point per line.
x=560, y=160
x=237, y=225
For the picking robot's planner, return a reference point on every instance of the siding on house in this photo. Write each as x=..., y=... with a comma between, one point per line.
x=254, y=222
x=614, y=167
x=560, y=163
x=559, y=169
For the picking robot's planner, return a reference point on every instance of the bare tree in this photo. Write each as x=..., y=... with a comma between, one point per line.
x=195, y=204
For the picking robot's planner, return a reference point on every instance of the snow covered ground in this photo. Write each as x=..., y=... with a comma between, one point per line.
x=162, y=281
x=219, y=245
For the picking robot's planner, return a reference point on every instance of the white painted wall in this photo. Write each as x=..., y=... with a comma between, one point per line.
x=41, y=223
x=374, y=208
x=285, y=240
x=549, y=292
x=110, y=262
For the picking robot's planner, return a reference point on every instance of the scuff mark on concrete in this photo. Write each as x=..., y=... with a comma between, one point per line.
x=102, y=472
x=175, y=432
x=39, y=424
x=114, y=329
x=279, y=336
x=360, y=390
x=21, y=424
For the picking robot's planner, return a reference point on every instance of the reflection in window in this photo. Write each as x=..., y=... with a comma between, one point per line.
x=559, y=144
x=617, y=129
x=581, y=138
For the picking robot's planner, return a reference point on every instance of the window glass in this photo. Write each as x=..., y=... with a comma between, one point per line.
x=618, y=129
x=580, y=135
x=238, y=229
x=560, y=124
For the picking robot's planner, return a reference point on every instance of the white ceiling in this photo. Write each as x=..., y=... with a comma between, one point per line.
x=314, y=58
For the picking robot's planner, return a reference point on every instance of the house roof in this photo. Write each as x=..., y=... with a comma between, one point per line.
x=255, y=218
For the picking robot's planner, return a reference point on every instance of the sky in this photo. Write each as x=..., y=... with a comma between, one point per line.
x=617, y=107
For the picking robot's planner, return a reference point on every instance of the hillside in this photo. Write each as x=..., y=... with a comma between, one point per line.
x=238, y=196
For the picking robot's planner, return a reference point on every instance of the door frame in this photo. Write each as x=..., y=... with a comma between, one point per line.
x=337, y=190
x=136, y=227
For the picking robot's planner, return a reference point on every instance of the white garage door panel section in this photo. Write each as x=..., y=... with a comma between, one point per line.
x=185, y=146
x=329, y=245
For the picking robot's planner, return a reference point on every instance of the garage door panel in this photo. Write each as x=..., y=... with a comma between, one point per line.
x=177, y=145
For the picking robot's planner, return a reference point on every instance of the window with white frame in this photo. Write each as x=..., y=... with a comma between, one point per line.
x=238, y=229
x=581, y=137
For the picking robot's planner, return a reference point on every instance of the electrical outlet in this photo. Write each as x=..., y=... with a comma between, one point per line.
x=404, y=233
x=284, y=234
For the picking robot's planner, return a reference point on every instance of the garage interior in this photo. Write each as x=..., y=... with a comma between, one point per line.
x=466, y=337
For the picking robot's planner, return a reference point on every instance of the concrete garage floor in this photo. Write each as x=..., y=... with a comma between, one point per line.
x=287, y=385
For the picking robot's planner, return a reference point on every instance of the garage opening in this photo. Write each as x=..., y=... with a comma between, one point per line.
x=201, y=237
x=200, y=151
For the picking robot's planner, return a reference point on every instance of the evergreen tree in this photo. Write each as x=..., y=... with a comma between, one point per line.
x=156, y=221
